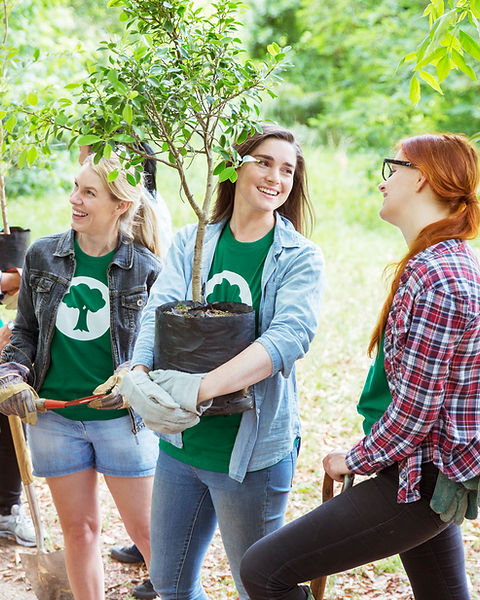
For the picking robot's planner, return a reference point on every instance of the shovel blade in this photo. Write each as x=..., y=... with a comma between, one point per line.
x=47, y=575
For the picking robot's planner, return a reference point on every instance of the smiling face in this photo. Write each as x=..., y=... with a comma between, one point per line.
x=263, y=185
x=94, y=212
x=399, y=193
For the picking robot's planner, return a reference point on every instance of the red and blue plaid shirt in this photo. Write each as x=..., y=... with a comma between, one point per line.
x=432, y=364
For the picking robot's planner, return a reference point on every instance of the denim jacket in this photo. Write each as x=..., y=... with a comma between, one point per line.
x=292, y=289
x=49, y=268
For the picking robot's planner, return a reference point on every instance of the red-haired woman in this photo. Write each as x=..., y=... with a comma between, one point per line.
x=421, y=401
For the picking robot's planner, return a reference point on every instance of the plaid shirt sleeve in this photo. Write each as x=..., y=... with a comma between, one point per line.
x=427, y=337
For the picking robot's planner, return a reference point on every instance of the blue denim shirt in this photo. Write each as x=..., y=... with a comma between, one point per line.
x=49, y=268
x=292, y=290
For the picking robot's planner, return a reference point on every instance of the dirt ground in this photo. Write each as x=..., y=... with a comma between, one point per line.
x=380, y=581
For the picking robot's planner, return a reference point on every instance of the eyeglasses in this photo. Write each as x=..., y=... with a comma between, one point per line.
x=388, y=162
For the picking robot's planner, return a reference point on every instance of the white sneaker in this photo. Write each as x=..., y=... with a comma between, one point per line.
x=19, y=526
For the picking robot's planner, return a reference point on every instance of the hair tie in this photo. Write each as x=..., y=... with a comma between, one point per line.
x=470, y=198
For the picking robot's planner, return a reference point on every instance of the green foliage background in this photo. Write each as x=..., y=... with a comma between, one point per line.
x=348, y=101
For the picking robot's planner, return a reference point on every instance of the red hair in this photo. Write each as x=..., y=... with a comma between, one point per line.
x=450, y=165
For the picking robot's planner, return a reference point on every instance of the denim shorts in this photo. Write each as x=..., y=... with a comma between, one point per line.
x=60, y=446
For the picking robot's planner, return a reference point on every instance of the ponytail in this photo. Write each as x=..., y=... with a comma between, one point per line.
x=145, y=225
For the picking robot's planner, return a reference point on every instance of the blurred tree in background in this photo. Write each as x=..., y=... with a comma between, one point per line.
x=346, y=84
x=347, y=89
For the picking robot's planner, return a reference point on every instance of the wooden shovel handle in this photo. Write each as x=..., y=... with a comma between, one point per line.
x=23, y=458
x=318, y=585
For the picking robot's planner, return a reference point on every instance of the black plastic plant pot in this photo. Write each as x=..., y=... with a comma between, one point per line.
x=13, y=248
x=196, y=338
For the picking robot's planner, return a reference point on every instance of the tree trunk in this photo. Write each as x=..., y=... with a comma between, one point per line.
x=197, y=260
x=3, y=203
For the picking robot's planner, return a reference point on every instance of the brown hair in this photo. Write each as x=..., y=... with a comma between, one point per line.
x=450, y=164
x=297, y=208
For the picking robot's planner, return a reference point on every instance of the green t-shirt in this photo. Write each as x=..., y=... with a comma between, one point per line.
x=235, y=276
x=81, y=349
x=376, y=394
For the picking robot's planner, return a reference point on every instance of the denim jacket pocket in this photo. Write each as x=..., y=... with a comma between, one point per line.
x=41, y=286
x=133, y=303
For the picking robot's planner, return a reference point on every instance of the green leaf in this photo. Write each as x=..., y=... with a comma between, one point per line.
x=444, y=66
x=243, y=136
x=131, y=179
x=22, y=159
x=227, y=174
x=32, y=98
x=462, y=65
x=113, y=79
x=88, y=140
x=36, y=54
x=219, y=168
x=127, y=113
x=107, y=151
x=430, y=79
x=113, y=174
x=72, y=86
x=123, y=138
x=409, y=57
x=475, y=8
x=32, y=155
x=469, y=44
x=273, y=49
x=2, y=114
x=10, y=124
x=414, y=90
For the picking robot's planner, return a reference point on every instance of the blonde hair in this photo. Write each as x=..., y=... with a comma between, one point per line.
x=139, y=222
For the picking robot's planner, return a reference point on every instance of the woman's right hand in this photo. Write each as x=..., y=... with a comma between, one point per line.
x=16, y=396
x=156, y=407
x=335, y=465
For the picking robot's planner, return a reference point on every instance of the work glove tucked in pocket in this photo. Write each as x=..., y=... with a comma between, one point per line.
x=455, y=500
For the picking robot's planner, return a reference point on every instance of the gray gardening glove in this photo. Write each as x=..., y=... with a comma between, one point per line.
x=182, y=387
x=113, y=398
x=16, y=396
x=156, y=407
x=455, y=499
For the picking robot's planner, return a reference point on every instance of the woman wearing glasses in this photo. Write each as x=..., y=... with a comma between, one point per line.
x=421, y=401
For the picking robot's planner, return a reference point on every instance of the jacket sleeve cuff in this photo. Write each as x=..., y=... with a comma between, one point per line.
x=277, y=363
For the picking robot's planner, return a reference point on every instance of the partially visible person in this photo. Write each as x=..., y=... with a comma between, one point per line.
x=420, y=402
x=81, y=296
x=14, y=522
x=236, y=469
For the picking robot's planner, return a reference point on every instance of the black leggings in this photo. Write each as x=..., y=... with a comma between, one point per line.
x=10, y=482
x=363, y=524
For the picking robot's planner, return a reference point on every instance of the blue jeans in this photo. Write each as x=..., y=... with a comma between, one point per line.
x=187, y=502
x=361, y=525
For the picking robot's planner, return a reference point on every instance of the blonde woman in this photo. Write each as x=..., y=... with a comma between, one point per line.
x=81, y=296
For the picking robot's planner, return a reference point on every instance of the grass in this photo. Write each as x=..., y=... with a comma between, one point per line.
x=357, y=246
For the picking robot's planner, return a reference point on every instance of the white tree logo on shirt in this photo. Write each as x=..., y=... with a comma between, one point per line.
x=242, y=293
x=84, y=313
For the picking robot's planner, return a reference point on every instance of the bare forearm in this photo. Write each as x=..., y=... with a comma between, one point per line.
x=250, y=366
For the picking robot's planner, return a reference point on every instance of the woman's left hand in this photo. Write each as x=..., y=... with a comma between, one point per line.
x=335, y=465
x=112, y=399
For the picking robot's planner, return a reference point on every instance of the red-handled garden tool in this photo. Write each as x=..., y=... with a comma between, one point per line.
x=318, y=585
x=44, y=403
